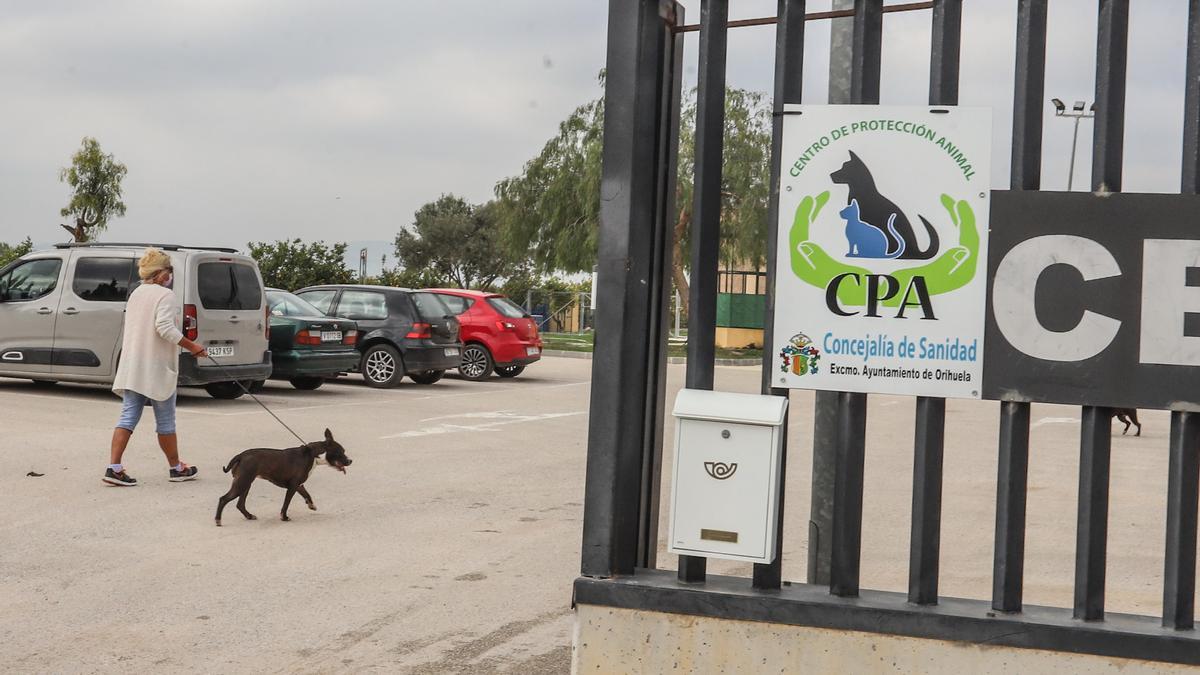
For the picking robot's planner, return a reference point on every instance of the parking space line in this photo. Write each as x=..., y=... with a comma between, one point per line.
x=506, y=419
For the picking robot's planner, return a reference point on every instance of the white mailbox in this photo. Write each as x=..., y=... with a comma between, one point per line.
x=725, y=484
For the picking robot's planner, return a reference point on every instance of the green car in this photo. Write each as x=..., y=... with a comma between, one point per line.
x=306, y=346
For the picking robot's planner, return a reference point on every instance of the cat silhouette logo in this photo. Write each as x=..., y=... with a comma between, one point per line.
x=720, y=470
x=875, y=226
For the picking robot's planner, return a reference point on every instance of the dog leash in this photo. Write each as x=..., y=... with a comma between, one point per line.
x=264, y=405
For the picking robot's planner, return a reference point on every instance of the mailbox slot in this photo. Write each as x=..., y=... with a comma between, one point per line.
x=725, y=480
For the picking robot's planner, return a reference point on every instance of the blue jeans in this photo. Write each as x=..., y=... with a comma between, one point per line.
x=131, y=412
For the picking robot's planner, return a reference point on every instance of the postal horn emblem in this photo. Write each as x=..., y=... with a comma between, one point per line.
x=720, y=470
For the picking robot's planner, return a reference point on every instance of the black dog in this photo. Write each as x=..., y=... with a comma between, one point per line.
x=286, y=468
x=877, y=210
x=1128, y=415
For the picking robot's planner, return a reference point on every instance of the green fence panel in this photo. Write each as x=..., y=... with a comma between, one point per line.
x=739, y=310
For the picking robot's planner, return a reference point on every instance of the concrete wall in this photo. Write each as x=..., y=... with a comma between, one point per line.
x=611, y=640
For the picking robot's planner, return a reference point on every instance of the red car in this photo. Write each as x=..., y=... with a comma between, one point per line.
x=497, y=334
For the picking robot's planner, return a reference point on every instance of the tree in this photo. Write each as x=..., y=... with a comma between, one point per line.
x=10, y=252
x=552, y=209
x=456, y=241
x=95, y=179
x=293, y=264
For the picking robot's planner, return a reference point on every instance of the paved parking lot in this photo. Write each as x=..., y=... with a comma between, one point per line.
x=451, y=544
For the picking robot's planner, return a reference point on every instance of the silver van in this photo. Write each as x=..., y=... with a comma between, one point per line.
x=62, y=314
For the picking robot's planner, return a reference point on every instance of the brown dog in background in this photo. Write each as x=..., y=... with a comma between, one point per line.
x=1127, y=415
x=286, y=468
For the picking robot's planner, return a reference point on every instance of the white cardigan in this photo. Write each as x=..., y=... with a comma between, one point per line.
x=149, y=362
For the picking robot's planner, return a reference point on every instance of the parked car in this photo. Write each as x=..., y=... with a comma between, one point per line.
x=497, y=333
x=62, y=313
x=306, y=346
x=401, y=331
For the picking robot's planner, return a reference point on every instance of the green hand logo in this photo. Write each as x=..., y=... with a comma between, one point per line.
x=952, y=270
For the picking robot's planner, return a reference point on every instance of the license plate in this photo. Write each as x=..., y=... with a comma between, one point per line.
x=331, y=336
x=451, y=351
x=220, y=350
x=531, y=351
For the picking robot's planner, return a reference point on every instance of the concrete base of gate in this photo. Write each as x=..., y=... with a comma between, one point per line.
x=610, y=640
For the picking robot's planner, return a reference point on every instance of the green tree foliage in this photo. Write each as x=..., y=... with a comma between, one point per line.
x=552, y=209
x=408, y=278
x=10, y=252
x=293, y=264
x=95, y=180
x=455, y=241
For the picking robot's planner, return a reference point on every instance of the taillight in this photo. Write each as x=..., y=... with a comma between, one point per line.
x=305, y=338
x=350, y=338
x=506, y=325
x=191, y=326
x=420, y=331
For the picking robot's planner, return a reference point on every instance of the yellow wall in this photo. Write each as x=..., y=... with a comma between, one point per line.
x=737, y=338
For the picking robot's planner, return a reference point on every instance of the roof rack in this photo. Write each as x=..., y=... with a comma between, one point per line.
x=165, y=247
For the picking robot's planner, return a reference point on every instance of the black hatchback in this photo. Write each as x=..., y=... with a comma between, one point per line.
x=401, y=331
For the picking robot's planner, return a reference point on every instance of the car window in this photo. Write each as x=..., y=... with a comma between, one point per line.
x=30, y=280
x=457, y=304
x=286, y=304
x=507, y=308
x=103, y=279
x=430, y=306
x=322, y=300
x=226, y=285
x=362, y=305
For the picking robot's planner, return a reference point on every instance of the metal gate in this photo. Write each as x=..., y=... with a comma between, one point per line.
x=625, y=436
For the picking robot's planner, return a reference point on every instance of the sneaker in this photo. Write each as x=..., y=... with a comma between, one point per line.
x=113, y=478
x=186, y=473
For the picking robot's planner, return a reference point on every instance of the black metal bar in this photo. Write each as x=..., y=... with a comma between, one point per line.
x=1091, y=533
x=671, y=88
x=929, y=440
x=967, y=624
x=815, y=16
x=946, y=41
x=1190, y=178
x=1027, y=98
x=1109, y=130
x=1012, y=472
x=868, y=47
x=820, y=518
x=1183, y=498
x=848, y=494
x=830, y=407
x=925, y=543
x=706, y=214
x=1008, y=563
x=628, y=210
x=789, y=80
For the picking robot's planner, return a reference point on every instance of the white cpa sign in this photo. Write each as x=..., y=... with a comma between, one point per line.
x=883, y=234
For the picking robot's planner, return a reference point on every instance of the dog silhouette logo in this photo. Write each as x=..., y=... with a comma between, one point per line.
x=720, y=470
x=875, y=215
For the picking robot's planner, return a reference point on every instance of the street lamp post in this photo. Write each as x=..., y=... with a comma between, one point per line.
x=1078, y=112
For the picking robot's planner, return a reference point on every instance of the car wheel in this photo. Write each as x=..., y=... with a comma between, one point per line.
x=224, y=390
x=509, y=371
x=427, y=376
x=476, y=363
x=307, y=383
x=382, y=366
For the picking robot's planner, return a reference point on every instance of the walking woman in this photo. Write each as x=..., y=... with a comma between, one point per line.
x=148, y=371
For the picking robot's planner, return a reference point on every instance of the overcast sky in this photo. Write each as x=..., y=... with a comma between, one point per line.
x=249, y=120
